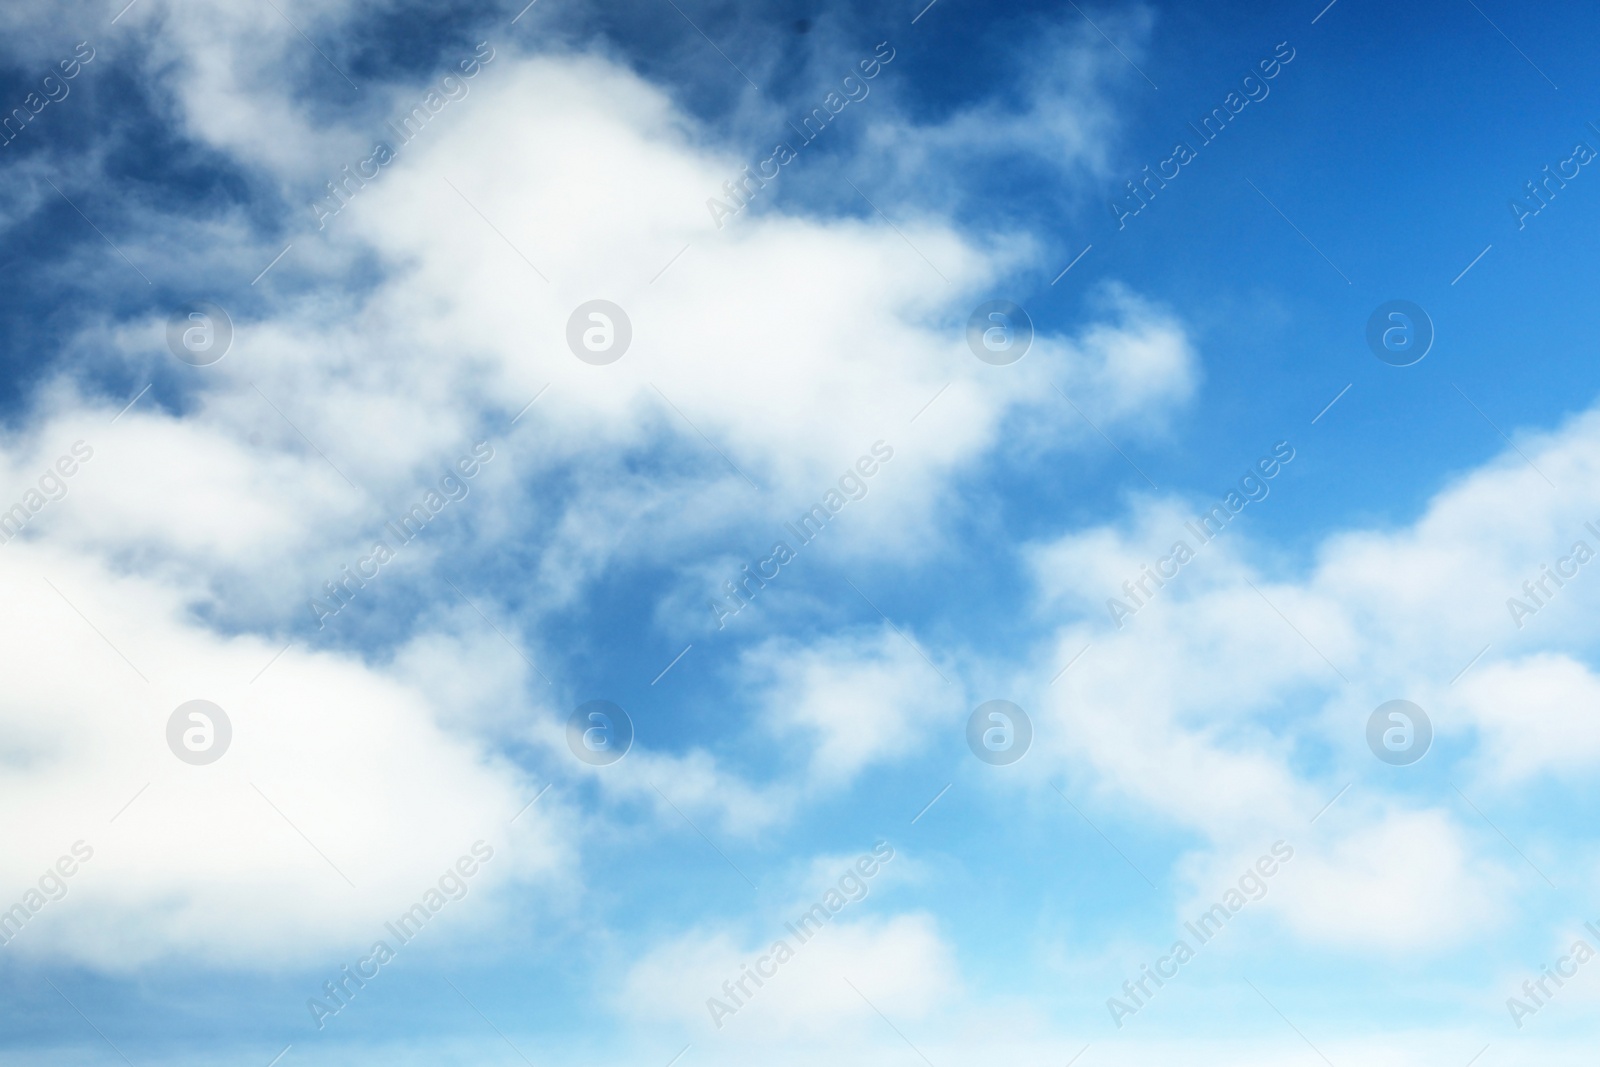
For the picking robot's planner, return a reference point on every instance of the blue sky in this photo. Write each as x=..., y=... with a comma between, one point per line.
x=174, y=529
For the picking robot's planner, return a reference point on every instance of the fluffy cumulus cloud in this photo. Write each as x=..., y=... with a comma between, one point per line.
x=788, y=345
x=900, y=963
x=1397, y=881
x=339, y=802
x=1206, y=697
x=831, y=950
x=1531, y=712
x=852, y=700
x=188, y=551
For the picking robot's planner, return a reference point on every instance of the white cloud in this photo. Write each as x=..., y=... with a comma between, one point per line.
x=855, y=699
x=1202, y=708
x=352, y=761
x=899, y=964
x=1398, y=882
x=787, y=344
x=1535, y=715
x=219, y=504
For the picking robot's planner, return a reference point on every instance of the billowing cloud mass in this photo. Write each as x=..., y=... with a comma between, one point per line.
x=204, y=532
